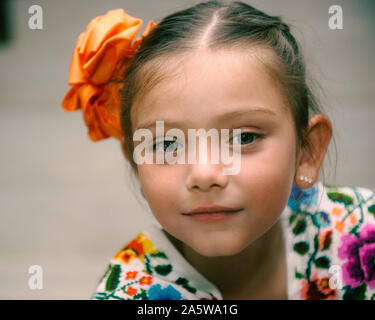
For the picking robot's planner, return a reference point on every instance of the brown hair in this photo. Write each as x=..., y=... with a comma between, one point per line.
x=215, y=25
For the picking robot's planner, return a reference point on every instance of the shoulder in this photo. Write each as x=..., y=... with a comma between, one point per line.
x=332, y=243
x=140, y=271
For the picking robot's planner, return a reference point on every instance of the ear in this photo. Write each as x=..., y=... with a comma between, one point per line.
x=319, y=133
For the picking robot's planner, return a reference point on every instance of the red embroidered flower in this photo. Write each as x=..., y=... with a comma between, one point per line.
x=131, y=275
x=131, y=291
x=146, y=280
x=317, y=289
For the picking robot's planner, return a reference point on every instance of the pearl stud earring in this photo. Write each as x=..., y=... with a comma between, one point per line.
x=306, y=179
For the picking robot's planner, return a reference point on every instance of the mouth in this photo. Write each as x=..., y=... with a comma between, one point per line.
x=212, y=213
x=212, y=209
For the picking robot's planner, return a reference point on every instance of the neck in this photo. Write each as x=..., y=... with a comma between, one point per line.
x=257, y=272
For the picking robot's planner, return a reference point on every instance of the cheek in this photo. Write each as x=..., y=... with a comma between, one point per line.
x=268, y=174
x=159, y=182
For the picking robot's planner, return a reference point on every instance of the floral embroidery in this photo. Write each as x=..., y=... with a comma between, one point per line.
x=131, y=275
x=325, y=239
x=316, y=234
x=135, y=249
x=360, y=255
x=330, y=228
x=131, y=291
x=300, y=197
x=145, y=280
x=168, y=293
x=317, y=289
x=122, y=281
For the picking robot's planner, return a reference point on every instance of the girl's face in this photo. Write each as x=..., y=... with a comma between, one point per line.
x=211, y=85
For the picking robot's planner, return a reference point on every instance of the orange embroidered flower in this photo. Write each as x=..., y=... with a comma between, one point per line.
x=353, y=219
x=337, y=211
x=131, y=275
x=339, y=226
x=135, y=248
x=146, y=280
x=100, y=57
x=131, y=291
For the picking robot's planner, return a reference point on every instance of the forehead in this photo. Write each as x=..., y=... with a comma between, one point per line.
x=206, y=83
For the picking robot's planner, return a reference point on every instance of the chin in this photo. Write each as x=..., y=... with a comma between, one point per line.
x=217, y=249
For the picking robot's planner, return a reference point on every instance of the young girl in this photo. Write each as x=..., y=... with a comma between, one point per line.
x=270, y=231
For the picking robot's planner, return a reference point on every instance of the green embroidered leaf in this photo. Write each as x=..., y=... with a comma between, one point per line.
x=159, y=254
x=292, y=217
x=301, y=247
x=147, y=264
x=163, y=269
x=322, y=262
x=358, y=293
x=299, y=227
x=340, y=197
x=326, y=239
x=372, y=297
x=108, y=269
x=185, y=284
x=141, y=296
x=100, y=296
x=113, y=278
x=354, y=231
x=371, y=209
x=299, y=275
x=190, y=289
x=182, y=281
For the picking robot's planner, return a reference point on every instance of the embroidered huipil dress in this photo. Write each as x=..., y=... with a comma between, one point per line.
x=329, y=237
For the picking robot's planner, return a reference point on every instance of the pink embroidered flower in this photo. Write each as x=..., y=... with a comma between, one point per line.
x=360, y=255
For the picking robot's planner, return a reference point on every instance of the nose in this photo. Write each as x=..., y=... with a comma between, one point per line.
x=204, y=176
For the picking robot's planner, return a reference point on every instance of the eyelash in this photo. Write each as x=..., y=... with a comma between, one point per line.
x=159, y=142
x=257, y=136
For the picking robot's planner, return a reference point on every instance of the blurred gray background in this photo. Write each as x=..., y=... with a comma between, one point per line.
x=68, y=204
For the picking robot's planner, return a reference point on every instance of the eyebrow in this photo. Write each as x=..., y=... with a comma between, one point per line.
x=223, y=117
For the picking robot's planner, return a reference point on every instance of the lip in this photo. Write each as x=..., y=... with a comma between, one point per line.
x=212, y=209
x=212, y=213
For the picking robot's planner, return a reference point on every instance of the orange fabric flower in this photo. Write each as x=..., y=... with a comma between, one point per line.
x=99, y=60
